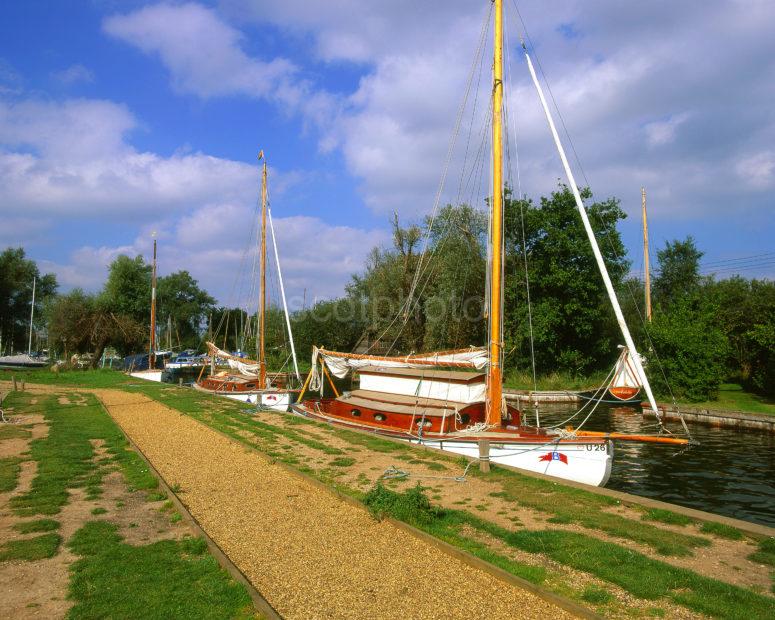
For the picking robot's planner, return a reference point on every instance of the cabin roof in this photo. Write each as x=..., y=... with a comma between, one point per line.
x=456, y=376
x=399, y=403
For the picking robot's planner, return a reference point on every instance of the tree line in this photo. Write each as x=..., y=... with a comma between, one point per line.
x=427, y=292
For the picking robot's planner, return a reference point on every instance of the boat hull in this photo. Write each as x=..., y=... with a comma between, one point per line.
x=583, y=460
x=588, y=463
x=278, y=400
x=148, y=375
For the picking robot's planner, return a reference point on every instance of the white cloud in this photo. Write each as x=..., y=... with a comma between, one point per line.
x=757, y=171
x=663, y=131
x=202, y=53
x=73, y=75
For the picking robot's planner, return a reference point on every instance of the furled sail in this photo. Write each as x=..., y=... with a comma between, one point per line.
x=340, y=364
x=242, y=364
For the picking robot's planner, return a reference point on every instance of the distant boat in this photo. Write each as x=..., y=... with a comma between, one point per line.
x=23, y=361
x=624, y=388
x=249, y=381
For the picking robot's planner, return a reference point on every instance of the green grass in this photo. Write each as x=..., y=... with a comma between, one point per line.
x=732, y=397
x=73, y=378
x=30, y=549
x=666, y=516
x=66, y=456
x=13, y=431
x=766, y=552
x=9, y=473
x=166, y=579
x=556, y=381
x=636, y=573
x=721, y=530
x=572, y=505
x=99, y=511
x=343, y=461
x=41, y=525
x=596, y=595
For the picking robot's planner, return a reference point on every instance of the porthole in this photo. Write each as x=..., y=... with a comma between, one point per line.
x=356, y=413
x=250, y=386
x=465, y=419
x=426, y=424
x=380, y=417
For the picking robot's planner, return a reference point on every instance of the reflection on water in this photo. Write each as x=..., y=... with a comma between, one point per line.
x=731, y=472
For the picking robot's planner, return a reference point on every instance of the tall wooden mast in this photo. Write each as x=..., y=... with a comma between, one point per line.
x=646, y=271
x=495, y=378
x=262, y=298
x=152, y=351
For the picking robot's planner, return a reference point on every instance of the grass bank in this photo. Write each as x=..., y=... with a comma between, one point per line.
x=732, y=397
x=170, y=578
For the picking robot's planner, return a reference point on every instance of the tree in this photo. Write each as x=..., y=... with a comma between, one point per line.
x=83, y=323
x=691, y=350
x=180, y=298
x=16, y=277
x=127, y=290
x=573, y=324
x=679, y=271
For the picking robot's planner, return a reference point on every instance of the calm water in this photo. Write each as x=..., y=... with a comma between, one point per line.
x=731, y=472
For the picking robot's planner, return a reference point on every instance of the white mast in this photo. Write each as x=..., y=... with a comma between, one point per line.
x=595, y=249
x=32, y=314
x=282, y=293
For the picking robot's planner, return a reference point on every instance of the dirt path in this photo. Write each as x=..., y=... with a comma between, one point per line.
x=310, y=554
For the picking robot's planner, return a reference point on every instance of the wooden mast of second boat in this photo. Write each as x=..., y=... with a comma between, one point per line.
x=262, y=298
x=495, y=376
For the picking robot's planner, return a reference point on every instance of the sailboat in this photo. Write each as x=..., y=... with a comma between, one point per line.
x=250, y=382
x=453, y=400
x=23, y=361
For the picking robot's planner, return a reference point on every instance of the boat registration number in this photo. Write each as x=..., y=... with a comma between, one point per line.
x=597, y=447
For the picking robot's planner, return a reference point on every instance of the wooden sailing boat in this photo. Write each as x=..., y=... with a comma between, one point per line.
x=454, y=409
x=251, y=383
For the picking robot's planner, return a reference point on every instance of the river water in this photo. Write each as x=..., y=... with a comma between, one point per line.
x=731, y=472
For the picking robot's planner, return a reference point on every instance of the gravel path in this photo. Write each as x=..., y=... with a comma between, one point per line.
x=310, y=554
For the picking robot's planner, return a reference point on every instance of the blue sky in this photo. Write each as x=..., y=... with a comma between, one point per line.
x=119, y=118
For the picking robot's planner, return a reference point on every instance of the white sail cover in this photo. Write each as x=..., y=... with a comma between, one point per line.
x=340, y=364
x=244, y=366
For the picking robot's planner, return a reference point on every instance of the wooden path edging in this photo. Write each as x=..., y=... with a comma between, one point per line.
x=259, y=602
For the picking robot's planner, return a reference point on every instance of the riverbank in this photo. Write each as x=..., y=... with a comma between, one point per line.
x=613, y=554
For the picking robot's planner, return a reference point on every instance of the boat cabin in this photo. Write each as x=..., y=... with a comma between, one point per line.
x=447, y=385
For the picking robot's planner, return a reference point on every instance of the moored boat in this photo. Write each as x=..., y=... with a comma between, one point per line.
x=439, y=399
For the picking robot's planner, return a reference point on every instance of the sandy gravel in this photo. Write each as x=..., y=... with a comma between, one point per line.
x=310, y=554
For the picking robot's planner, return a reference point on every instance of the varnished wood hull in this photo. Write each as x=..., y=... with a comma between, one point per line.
x=585, y=460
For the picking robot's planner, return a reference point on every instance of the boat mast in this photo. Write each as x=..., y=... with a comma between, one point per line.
x=647, y=274
x=152, y=352
x=32, y=314
x=593, y=242
x=262, y=297
x=495, y=377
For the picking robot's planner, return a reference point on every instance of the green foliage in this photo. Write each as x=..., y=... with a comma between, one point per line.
x=691, y=350
x=166, y=579
x=679, y=272
x=343, y=461
x=40, y=525
x=573, y=324
x=412, y=506
x=16, y=276
x=721, y=530
x=30, y=549
x=180, y=298
x=127, y=290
